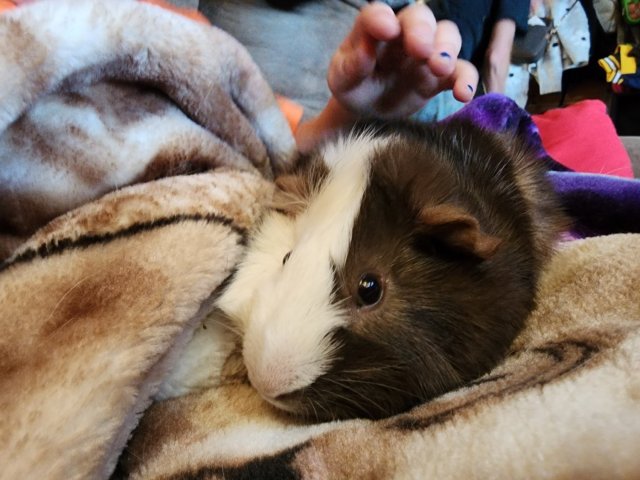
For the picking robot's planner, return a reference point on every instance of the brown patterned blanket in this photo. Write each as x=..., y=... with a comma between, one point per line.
x=112, y=255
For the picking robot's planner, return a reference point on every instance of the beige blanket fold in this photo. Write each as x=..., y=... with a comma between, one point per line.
x=98, y=95
x=136, y=150
x=94, y=306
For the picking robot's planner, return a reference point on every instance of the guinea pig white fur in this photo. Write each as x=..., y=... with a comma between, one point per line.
x=398, y=263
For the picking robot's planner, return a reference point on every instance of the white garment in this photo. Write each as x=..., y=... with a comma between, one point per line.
x=517, y=85
x=568, y=46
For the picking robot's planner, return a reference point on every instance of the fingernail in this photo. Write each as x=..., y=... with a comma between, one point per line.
x=445, y=55
x=470, y=88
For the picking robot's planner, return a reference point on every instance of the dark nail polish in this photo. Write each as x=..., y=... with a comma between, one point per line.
x=445, y=55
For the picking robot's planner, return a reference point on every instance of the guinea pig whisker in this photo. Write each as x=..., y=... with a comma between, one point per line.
x=394, y=366
x=332, y=396
x=312, y=404
x=385, y=386
x=339, y=303
x=225, y=324
x=342, y=384
x=326, y=413
x=349, y=401
x=326, y=396
x=335, y=293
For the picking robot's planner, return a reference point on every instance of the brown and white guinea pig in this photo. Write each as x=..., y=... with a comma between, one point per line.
x=399, y=264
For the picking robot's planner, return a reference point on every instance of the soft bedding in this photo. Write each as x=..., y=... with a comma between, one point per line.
x=134, y=165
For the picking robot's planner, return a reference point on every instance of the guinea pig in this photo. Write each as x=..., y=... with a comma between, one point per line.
x=398, y=263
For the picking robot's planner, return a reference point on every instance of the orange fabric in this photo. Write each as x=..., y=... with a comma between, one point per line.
x=186, y=12
x=6, y=5
x=292, y=111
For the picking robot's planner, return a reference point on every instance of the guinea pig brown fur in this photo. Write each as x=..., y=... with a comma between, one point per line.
x=400, y=263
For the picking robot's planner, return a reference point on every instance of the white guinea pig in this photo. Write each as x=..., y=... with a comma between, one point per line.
x=398, y=263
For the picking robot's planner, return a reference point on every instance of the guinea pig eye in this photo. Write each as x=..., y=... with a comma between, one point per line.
x=286, y=257
x=369, y=290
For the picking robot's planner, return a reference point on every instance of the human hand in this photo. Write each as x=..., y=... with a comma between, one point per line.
x=389, y=66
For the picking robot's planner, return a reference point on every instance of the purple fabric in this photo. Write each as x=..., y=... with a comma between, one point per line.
x=598, y=204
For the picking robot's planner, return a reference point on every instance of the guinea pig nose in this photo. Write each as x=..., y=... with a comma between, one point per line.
x=271, y=383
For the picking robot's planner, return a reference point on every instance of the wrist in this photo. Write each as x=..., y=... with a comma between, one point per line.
x=331, y=119
x=336, y=116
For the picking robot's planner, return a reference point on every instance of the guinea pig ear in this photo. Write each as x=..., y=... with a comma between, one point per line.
x=458, y=229
x=291, y=195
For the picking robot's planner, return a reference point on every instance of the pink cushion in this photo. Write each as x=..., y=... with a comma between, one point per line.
x=582, y=137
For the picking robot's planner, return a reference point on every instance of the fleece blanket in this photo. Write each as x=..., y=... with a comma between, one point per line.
x=137, y=149
x=79, y=118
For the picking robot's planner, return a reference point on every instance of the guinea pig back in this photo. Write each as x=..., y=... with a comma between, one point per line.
x=398, y=263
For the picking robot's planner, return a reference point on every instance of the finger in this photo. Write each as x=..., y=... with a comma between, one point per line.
x=357, y=55
x=465, y=81
x=446, y=45
x=377, y=22
x=418, y=30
